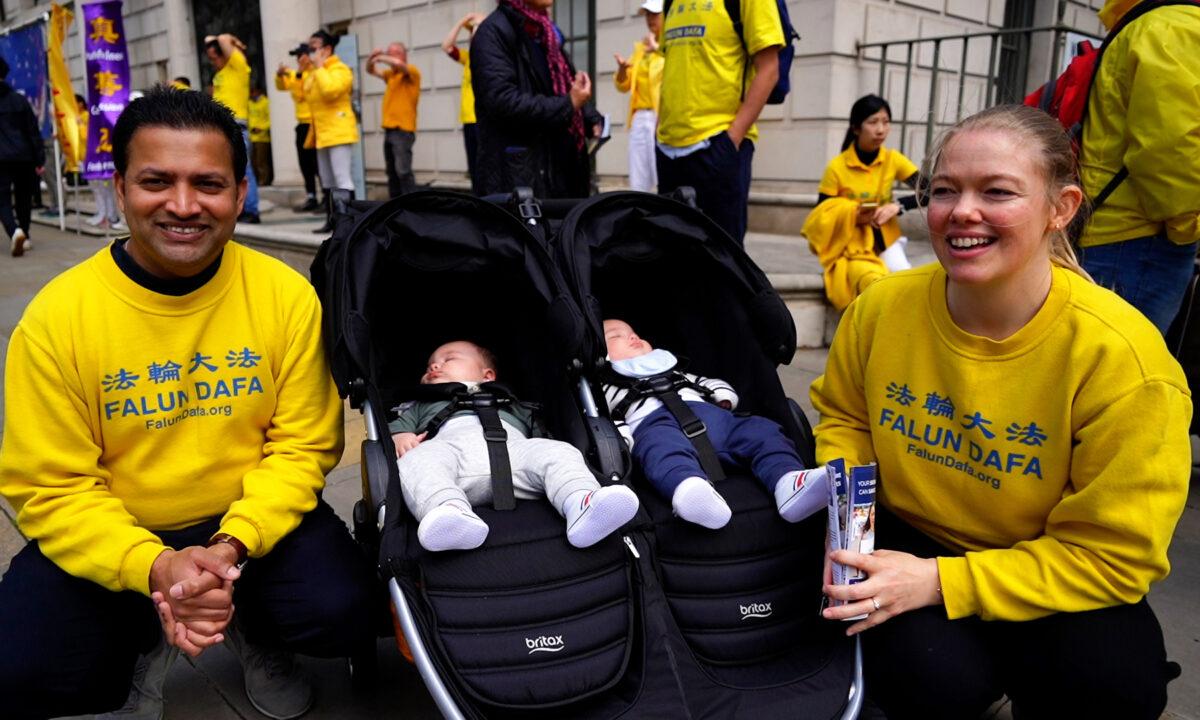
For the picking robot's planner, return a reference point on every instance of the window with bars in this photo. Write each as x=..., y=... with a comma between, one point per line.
x=577, y=20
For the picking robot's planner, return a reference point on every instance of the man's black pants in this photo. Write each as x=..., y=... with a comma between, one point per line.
x=720, y=174
x=308, y=160
x=1107, y=663
x=68, y=646
x=17, y=179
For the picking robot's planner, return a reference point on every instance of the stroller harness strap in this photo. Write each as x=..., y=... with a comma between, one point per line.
x=486, y=407
x=665, y=387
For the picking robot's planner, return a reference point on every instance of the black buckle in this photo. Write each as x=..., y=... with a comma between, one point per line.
x=660, y=384
x=482, y=400
x=692, y=430
x=497, y=435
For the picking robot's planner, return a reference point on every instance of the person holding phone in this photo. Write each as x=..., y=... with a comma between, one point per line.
x=853, y=229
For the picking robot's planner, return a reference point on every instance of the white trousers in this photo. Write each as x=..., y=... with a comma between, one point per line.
x=334, y=164
x=643, y=173
x=453, y=465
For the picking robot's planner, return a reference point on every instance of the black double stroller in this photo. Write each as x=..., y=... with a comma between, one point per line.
x=662, y=618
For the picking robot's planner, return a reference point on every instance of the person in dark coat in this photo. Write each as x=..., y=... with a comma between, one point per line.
x=530, y=104
x=22, y=157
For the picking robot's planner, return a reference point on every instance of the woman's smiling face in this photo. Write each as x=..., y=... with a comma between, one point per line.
x=989, y=209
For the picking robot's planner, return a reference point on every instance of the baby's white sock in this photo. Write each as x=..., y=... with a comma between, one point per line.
x=697, y=501
x=801, y=493
x=592, y=515
x=452, y=526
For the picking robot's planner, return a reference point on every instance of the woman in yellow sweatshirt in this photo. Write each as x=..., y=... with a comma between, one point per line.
x=1031, y=432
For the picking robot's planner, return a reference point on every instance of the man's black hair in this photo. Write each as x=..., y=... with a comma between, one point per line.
x=215, y=45
x=3, y=68
x=184, y=80
x=177, y=109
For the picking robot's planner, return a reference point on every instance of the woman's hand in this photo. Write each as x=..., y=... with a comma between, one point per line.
x=898, y=582
x=581, y=90
x=884, y=213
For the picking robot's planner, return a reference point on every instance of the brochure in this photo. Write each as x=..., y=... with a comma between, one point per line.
x=851, y=517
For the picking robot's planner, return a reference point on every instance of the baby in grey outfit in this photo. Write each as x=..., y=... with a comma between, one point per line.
x=443, y=476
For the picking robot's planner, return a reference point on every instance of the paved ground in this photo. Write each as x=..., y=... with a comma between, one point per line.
x=212, y=688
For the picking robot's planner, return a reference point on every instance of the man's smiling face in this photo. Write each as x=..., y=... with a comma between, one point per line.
x=179, y=197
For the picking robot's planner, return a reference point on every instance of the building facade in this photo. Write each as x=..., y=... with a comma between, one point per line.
x=831, y=70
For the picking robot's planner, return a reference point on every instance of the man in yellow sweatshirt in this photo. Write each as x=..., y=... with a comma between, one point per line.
x=169, y=418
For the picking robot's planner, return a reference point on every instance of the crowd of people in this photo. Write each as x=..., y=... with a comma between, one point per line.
x=1025, y=506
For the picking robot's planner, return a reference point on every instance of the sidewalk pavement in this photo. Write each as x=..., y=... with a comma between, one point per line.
x=211, y=687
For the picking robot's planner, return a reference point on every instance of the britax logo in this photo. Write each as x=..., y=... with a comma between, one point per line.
x=755, y=610
x=545, y=643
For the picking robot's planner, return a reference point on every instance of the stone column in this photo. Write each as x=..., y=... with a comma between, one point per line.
x=182, y=58
x=285, y=23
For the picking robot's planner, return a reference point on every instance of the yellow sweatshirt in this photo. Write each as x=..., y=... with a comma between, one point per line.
x=1056, y=462
x=128, y=411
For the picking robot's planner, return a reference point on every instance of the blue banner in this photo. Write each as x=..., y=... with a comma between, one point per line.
x=25, y=51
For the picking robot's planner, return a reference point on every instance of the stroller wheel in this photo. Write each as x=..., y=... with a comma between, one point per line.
x=364, y=670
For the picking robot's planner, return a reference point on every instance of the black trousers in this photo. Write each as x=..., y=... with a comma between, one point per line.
x=471, y=143
x=398, y=160
x=68, y=646
x=720, y=174
x=1107, y=663
x=19, y=180
x=308, y=160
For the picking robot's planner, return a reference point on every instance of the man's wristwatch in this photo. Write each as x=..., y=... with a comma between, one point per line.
x=242, y=552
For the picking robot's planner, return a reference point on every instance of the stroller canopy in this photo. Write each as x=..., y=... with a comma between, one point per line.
x=433, y=266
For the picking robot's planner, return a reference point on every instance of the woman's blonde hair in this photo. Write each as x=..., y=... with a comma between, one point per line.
x=1057, y=160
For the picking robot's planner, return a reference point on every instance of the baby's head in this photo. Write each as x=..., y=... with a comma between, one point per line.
x=460, y=361
x=623, y=343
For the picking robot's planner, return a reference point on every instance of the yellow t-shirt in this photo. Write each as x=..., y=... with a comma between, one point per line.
x=705, y=64
x=466, y=105
x=400, y=99
x=642, y=98
x=293, y=82
x=260, y=120
x=847, y=177
x=231, y=85
x=1055, y=462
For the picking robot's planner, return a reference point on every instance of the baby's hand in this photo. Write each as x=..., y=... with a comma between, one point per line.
x=725, y=404
x=406, y=441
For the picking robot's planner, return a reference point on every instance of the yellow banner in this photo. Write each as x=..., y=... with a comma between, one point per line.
x=66, y=114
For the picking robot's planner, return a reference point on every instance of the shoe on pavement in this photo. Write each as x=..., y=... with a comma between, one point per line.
x=96, y=220
x=145, y=701
x=19, y=242
x=118, y=226
x=309, y=205
x=275, y=685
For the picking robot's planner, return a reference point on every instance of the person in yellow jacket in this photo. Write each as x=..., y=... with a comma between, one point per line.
x=399, y=121
x=292, y=81
x=466, y=101
x=194, y=422
x=853, y=228
x=641, y=77
x=260, y=135
x=334, y=126
x=1143, y=119
x=1031, y=435
x=231, y=88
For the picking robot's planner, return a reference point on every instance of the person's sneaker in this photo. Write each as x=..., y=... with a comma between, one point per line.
x=309, y=205
x=275, y=685
x=96, y=220
x=697, y=501
x=451, y=527
x=145, y=701
x=19, y=242
x=592, y=516
x=118, y=226
x=251, y=218
x=801, y=493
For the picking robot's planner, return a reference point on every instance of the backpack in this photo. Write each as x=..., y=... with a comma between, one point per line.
x=786, y=53
x=1066, y=97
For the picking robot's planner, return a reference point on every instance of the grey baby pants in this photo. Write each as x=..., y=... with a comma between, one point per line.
x=453, y=465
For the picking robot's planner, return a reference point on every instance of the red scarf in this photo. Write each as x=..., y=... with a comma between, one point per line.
x=541, y=28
